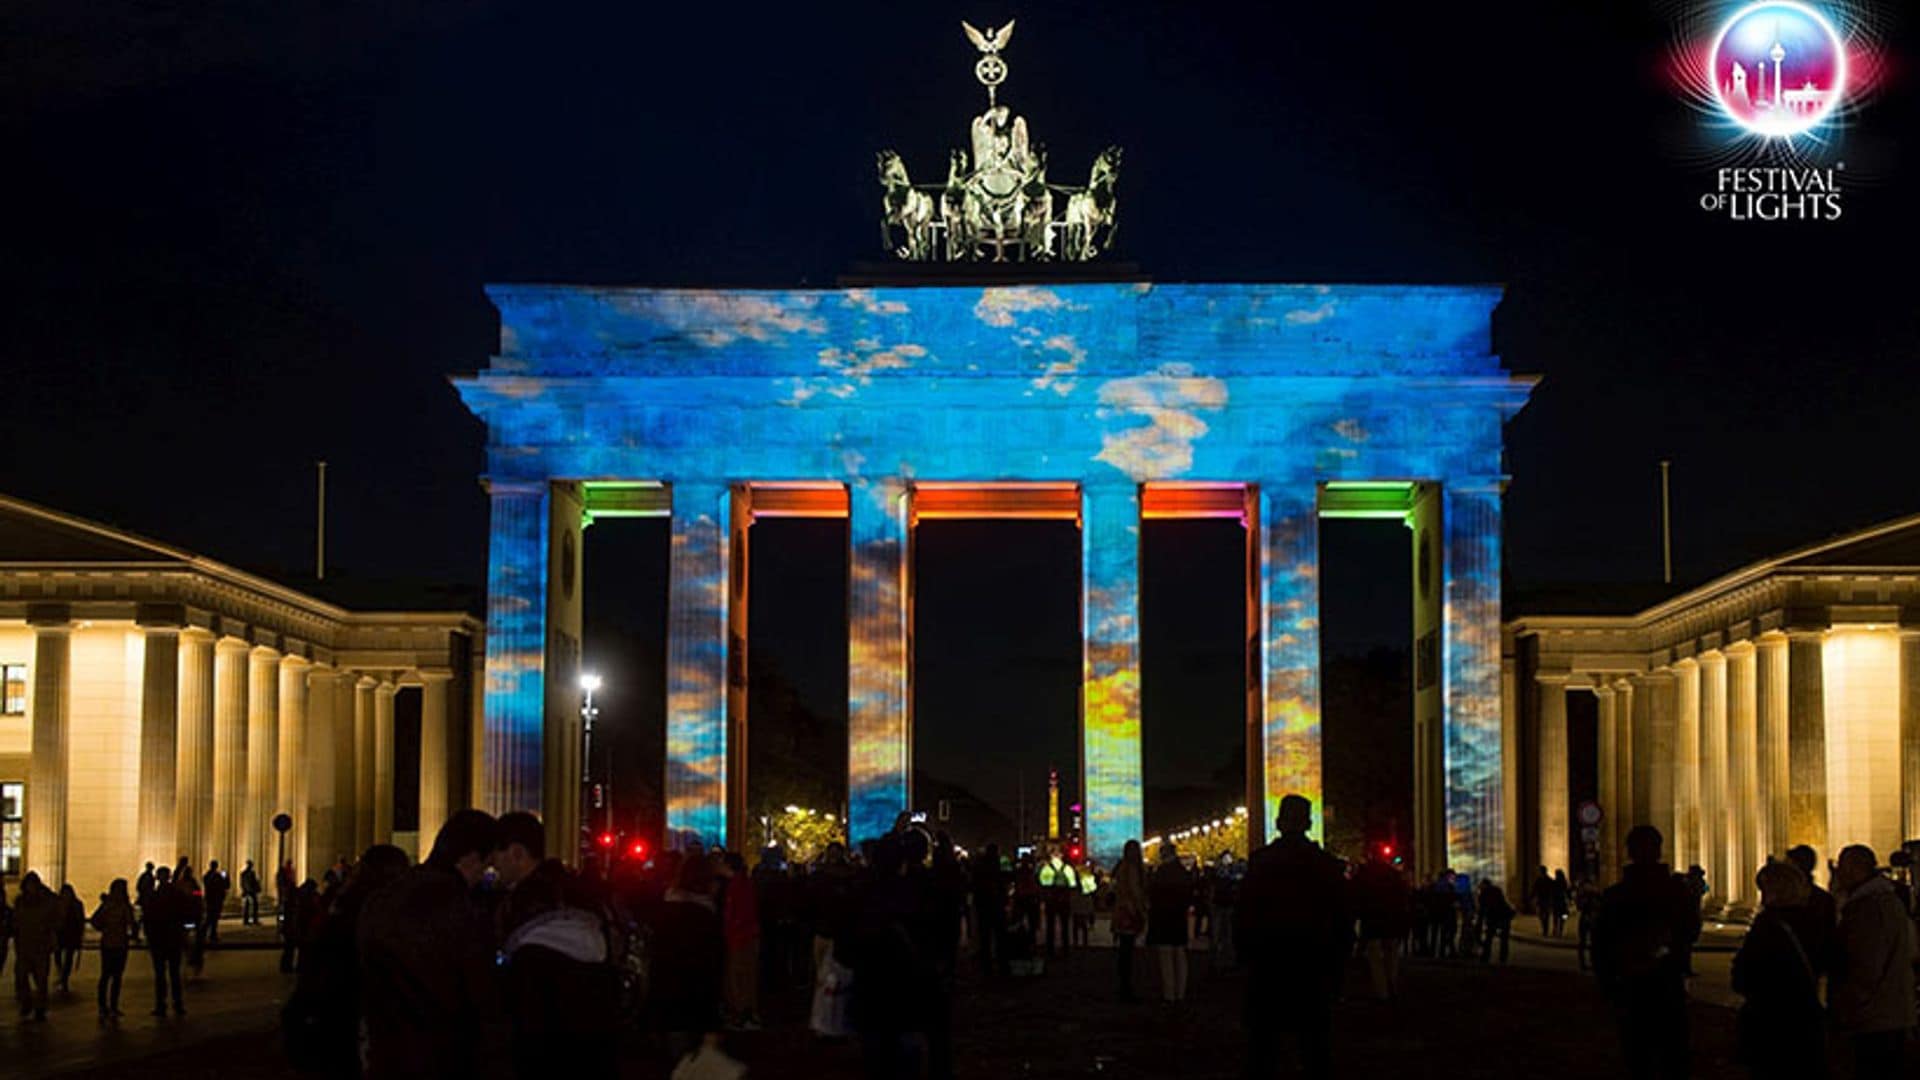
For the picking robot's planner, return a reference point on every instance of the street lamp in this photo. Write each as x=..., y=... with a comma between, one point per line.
x=589, y=712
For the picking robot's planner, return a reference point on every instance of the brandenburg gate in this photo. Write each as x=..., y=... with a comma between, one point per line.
x=1101, y=402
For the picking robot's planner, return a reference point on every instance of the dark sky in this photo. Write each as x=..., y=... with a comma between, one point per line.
x=244, y=237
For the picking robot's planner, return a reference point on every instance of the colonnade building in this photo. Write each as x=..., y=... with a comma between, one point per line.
x=1774, y=706
x=160, y=704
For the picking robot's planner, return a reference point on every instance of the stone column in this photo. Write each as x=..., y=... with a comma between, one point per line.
x=193, y=771
x=160, y=797
x=879, y=671
x=1555, y=796
x=346, y=769
x=322, y=802
x=1110, y=677
x=696, y=785
x=515, y=703
x=383, y=762
x=47, y=771
x=290, y=781
x=1661, y=747
x=263, y=759
x=1290, y=607
x=1743, y=799
x=1713, y=854
x=1476, y=829
x=436, y=765
x=1910, y=732
x=1807, y=740
x=1608, y=768
x=229, y=752
x=363, y=790
x=1624, y=814
x=1683, y=843
x=1771, y=773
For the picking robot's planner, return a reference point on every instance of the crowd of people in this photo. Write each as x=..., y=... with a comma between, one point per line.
x=491, y=957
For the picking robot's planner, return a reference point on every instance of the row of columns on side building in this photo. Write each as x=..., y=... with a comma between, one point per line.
x=1725, y=752
x=532, y=638
x=232, y=734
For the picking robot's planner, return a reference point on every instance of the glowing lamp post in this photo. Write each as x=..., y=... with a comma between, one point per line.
x=589, y=712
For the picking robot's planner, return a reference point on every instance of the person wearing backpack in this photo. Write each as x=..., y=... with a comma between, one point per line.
x=1646, y=925
x=1781, y=1028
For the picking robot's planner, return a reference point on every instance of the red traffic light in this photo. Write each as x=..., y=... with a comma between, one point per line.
x=1387, y=850
x=1074, y=853
x=639, y=849
x=606, y=839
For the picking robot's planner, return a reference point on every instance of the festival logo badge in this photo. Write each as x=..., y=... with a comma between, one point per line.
x=1776, y=83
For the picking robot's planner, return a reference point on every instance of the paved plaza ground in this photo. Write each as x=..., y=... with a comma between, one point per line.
x=1537, y=1017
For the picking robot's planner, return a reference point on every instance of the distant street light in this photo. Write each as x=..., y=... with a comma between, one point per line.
x=589, y=712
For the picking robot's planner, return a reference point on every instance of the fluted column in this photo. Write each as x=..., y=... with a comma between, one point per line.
x=1607, y=768
x=1909, y=732
x=320, y=841
x=879, y=693
x=435, y=765
x=1290, y=606
x=1743, y=798
x=290, y=781
x=1713, y=778
x=1624, y=815
x=1555, y=798
x=263, y=758
x=345, y=734
x=1476, y=828
x=230, y=663
x=1771, y=773
x=48, y=771
x=697, y=664
x=193, y=766
x=1807, y=739
x=383, y=762
x=1661, y=747
x=1683, y=843
x=1110, y=675
x=363, y=790
x=515, y=703
x=160, y=797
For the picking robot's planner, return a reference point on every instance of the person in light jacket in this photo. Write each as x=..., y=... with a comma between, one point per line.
x=1870, y=982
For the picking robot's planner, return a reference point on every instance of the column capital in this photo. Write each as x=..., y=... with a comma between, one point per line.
x=1743, y=647
x=264, y=652
x=1712, y=657
x=386, y=687
x=295, y=660
x=508, y=486
x=364, y=681
x=232, y=644
x=1602, y=687
x=1553, y=678
x=1685, y=663
x=427, y=675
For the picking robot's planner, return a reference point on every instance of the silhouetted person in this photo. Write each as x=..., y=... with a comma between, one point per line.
x=1129, y=912
x=36, y=930
x=164, y=917
x=214, y=887
x=560, y=990
x=249, y=895
x=297, y=911
x=1782, y=1029
x=1383, y=904
x=72, y=934
x=115, y=922
x=320, y=1025
x=1586, y=899
x=988, y=885
x=430, y=993
x=1870, y=984
x=1169, y=896
x=1646, y=924
x=1825, y=913
x=1296, y=931
x=1543, y=900
x=1496, y=921
x=1562, y=899
x=688, y=960
x=142, y=888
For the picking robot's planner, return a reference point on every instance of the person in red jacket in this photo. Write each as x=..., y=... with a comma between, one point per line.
x=740, y=923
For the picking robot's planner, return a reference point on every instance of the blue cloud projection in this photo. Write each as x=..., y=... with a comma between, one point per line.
x=1106, y=385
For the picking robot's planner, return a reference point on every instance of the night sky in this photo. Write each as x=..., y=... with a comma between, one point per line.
x=242, y=238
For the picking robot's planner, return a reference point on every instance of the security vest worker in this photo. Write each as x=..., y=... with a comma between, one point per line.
x=1058, y=883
